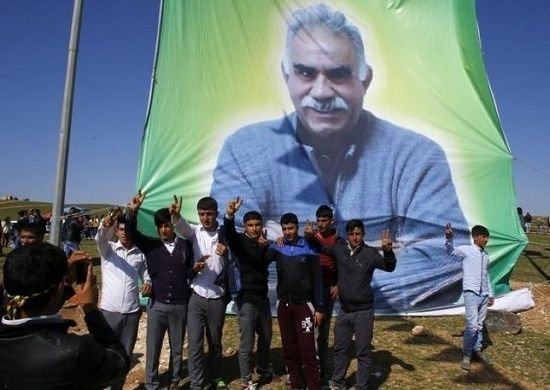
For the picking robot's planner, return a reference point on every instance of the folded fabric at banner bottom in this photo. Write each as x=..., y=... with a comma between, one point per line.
x=514, y=301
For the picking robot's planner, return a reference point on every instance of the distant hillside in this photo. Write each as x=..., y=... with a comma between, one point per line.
x=9, y=208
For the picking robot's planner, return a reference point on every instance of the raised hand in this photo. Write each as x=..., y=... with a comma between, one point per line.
x=318, y=318
x=233, y=206
x=308, y=229
x=111, y=217
x=262, y=240
x=175, y=207
x=221, y=250
x=146, y=289
x=387, y=244
x=280, y=241
x=200, y=263
x=333, y=292
x=75, y=258
x=87, y=294
x=448, y=231
x=136, y=201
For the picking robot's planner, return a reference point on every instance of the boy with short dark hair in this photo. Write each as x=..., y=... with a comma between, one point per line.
x=31, y=233
x=123, y=265
x=327, y=235
x=300, y=307
x=169, y=264
x=209, y=290
x=477, y=290
x=356, y=262
x=253, y=306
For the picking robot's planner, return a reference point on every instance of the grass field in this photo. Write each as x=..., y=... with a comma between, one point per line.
x=403, y=361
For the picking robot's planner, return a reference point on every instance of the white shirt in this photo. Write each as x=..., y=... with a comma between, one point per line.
x=204, y=243
x=121, y=270
x=475, y=267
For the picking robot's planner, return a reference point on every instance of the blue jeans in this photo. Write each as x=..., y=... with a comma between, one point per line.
x=475, y=307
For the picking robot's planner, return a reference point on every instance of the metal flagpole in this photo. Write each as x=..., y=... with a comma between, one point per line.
x=65, y=127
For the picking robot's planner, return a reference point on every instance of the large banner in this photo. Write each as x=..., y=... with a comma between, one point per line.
x=380, y=109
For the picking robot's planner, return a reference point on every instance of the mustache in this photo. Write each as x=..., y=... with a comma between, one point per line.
x=325, y=105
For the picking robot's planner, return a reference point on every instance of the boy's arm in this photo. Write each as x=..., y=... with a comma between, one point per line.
x=490, y=286
x=105, y=233
x=388, y=261
x=181, y=226
x=144, y=243
x=102, y=358
x=144, y=273
x=231, y=234
x=449, y=246
x=318, y=296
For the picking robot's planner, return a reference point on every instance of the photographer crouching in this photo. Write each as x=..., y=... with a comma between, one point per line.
x=36, y=350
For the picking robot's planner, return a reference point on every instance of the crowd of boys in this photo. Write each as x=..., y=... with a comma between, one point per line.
x=189, y=278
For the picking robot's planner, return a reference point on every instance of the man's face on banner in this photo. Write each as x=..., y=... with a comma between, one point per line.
x=323, y=81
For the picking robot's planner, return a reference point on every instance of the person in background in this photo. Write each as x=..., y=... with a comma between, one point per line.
x=22, y=219
x=72, y=231
x=31, y=233
x=528, y=221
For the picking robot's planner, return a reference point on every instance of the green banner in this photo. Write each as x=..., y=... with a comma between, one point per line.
x=387, y=117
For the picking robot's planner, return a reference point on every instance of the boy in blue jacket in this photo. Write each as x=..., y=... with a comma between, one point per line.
x=300, y=307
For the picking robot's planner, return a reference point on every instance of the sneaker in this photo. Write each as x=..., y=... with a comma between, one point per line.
x=219, y=384
x=465, y=363
x=265, y=376
x=483, y=359
x=334, y=386
x=250, y=385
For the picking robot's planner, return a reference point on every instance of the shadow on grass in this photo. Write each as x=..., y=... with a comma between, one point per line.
x=529, y=252
x=480, y=375
x=536, y=266
x=382, y=366
x=383, y=360
x=403, y=326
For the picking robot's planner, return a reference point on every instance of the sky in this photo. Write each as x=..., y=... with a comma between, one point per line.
x=115, y=62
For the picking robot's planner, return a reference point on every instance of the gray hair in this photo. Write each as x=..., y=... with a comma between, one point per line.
x=322, y=15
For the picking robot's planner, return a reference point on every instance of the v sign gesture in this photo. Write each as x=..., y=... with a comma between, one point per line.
x=386, y=241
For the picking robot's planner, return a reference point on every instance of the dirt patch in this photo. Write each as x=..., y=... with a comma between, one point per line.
x=538, y=318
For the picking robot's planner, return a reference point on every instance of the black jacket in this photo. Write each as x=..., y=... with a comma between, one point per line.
x=298, y=273
x=40, y=354
x=355, y=273
x=251, y=260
